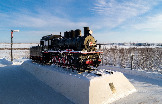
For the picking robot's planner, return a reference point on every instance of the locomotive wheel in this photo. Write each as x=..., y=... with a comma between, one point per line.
x=54, y=60
x=63, y=61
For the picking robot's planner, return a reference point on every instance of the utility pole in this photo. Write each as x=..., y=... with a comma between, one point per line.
x=132, y=55
x=12, y=42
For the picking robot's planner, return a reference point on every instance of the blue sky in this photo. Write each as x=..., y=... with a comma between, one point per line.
x=110, y=20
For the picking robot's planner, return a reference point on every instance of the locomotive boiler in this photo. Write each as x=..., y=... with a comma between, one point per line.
x=71, y=50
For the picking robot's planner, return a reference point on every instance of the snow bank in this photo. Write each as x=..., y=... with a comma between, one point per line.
x=17, y=45
x=152, y=75
x=85, y=88
x=19, y=61
x=4, y=62
x=17, y=54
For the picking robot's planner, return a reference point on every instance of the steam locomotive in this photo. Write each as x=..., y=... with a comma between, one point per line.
x=71, y=50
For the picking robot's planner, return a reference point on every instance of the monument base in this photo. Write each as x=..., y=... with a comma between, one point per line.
x=85, y=88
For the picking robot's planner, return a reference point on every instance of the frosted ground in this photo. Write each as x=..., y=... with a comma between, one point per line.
x=19, y=87
x=16, y=53
x=17, y=45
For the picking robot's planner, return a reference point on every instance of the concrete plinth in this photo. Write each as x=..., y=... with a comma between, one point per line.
x=85, y=88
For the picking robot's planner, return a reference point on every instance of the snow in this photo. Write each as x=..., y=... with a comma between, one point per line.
x=85, y=88
x=147, y=93
x=4, y=62
x=17, y=86
x=127, y=46
x=20, y=87
x=148, y=85
x=143, y=73
x=16, y=53
x=17, y=45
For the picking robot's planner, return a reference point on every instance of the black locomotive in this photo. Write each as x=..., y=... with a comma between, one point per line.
x=71, y=50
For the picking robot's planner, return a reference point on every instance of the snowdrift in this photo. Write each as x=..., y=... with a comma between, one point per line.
x=4, y=62
x=85, y=88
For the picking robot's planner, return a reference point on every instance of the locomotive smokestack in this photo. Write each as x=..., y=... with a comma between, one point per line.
x=72, y=34
x=86, y=31
x=66, y=35
x=77, y=32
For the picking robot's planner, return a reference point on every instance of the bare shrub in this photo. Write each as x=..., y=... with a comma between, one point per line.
x=149, y=59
